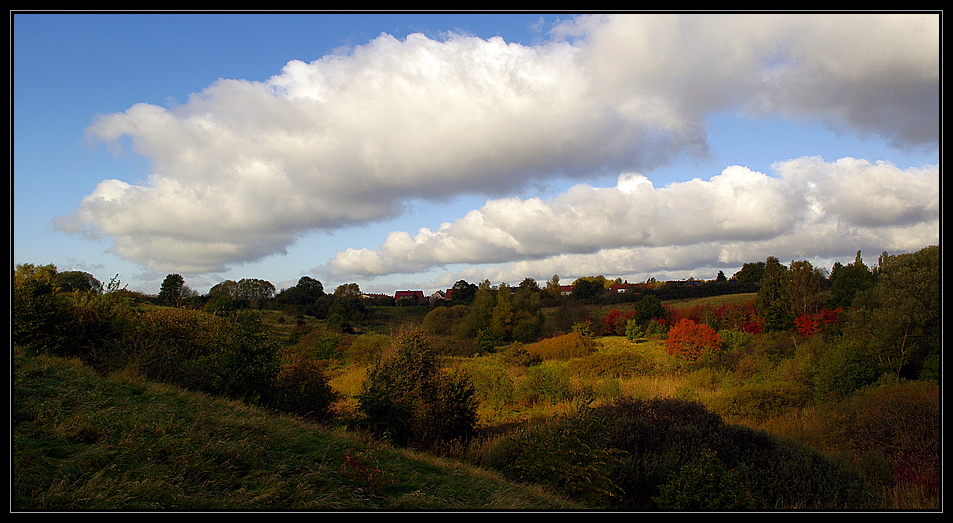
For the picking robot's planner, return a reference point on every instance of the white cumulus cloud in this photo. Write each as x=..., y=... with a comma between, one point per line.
x=809, y=207
x=244, y=168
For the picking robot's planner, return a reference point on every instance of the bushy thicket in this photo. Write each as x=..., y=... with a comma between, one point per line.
x=562, y=347
x=231, y=355
x=564, y=453
x=658, y=454
x=893, y=430
x=408, y=400
x=302, y=388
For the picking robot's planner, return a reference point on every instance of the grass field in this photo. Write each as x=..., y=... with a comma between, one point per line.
x=82, y=442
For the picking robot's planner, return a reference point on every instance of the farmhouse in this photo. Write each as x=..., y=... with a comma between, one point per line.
x=416, y=295
x=438, y=296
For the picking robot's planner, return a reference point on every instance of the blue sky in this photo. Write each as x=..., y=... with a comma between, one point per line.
x=406, y=151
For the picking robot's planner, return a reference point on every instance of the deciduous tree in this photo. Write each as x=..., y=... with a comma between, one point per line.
x=750, y=273
x=847, y=280
x=773, y=301
x=803, y=287
x=462, y=292
x=348, y=290
x=79, y=281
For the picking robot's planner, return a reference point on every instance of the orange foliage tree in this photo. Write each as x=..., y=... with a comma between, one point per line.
x=690, y=340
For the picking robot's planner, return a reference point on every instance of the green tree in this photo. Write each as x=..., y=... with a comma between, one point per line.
x=804, y=286
x=750, y=273
x=904, y=326
x=773, y=301
x=588, y=288
x=247, y=362
x=529, y=284
x=462, y=292
x=648, y=308
x=526, y=326
x=348, y=290
x=310, y=287
x=552, y=286
x=77, y=281
x=479, y=312
x=527, y=297
x=172, y=290
x=847, y=280
x=227, y=288
x=255, y=292
x=501, y=319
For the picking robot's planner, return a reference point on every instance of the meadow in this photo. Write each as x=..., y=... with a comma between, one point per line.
x=640, y=405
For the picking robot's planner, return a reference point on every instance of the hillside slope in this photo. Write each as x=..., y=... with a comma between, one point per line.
x=83, y=442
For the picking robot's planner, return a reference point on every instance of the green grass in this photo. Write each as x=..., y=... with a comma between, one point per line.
x=83, y=442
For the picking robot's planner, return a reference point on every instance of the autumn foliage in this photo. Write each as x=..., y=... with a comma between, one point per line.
x=690, y=341
x=563, y=347
x=811, y=324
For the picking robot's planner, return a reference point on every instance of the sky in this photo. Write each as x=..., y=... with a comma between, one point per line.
x=408, y=151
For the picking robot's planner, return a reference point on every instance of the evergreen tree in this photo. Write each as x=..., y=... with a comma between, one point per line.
x=170, y=293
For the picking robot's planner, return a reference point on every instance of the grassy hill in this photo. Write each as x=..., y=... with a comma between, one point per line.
x=82, y=442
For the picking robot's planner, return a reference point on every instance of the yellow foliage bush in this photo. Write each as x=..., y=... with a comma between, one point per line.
x=564, y=347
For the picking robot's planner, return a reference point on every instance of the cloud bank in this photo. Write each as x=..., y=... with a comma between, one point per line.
x=244, y=168
x=810, y=207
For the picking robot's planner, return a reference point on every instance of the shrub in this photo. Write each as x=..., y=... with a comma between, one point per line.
x=614, y=323
x=760, y=401
x=173, y=346
x=407, y=399
x=247, y=363
x=491, y=382
x=438, y=321
x=742, y=316
x=811, y=324
x=516, y=354
x=691, y=341
x=563, y=347
x=636, y=330
x=320, y=344
x=302, y=388
x=733, y=339
x=842, y=369
x=616, y=365
x=367, y=348
x=526, y=327
x=705, y=378
x=705, y=483
x=662, y=436
x=547, y=382
x=568, y=454
x=900, y=421
x=41, y=319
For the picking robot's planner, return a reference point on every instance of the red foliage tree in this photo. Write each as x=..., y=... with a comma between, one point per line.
x=811, y=324
x=690, y=341
x=614, y=322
